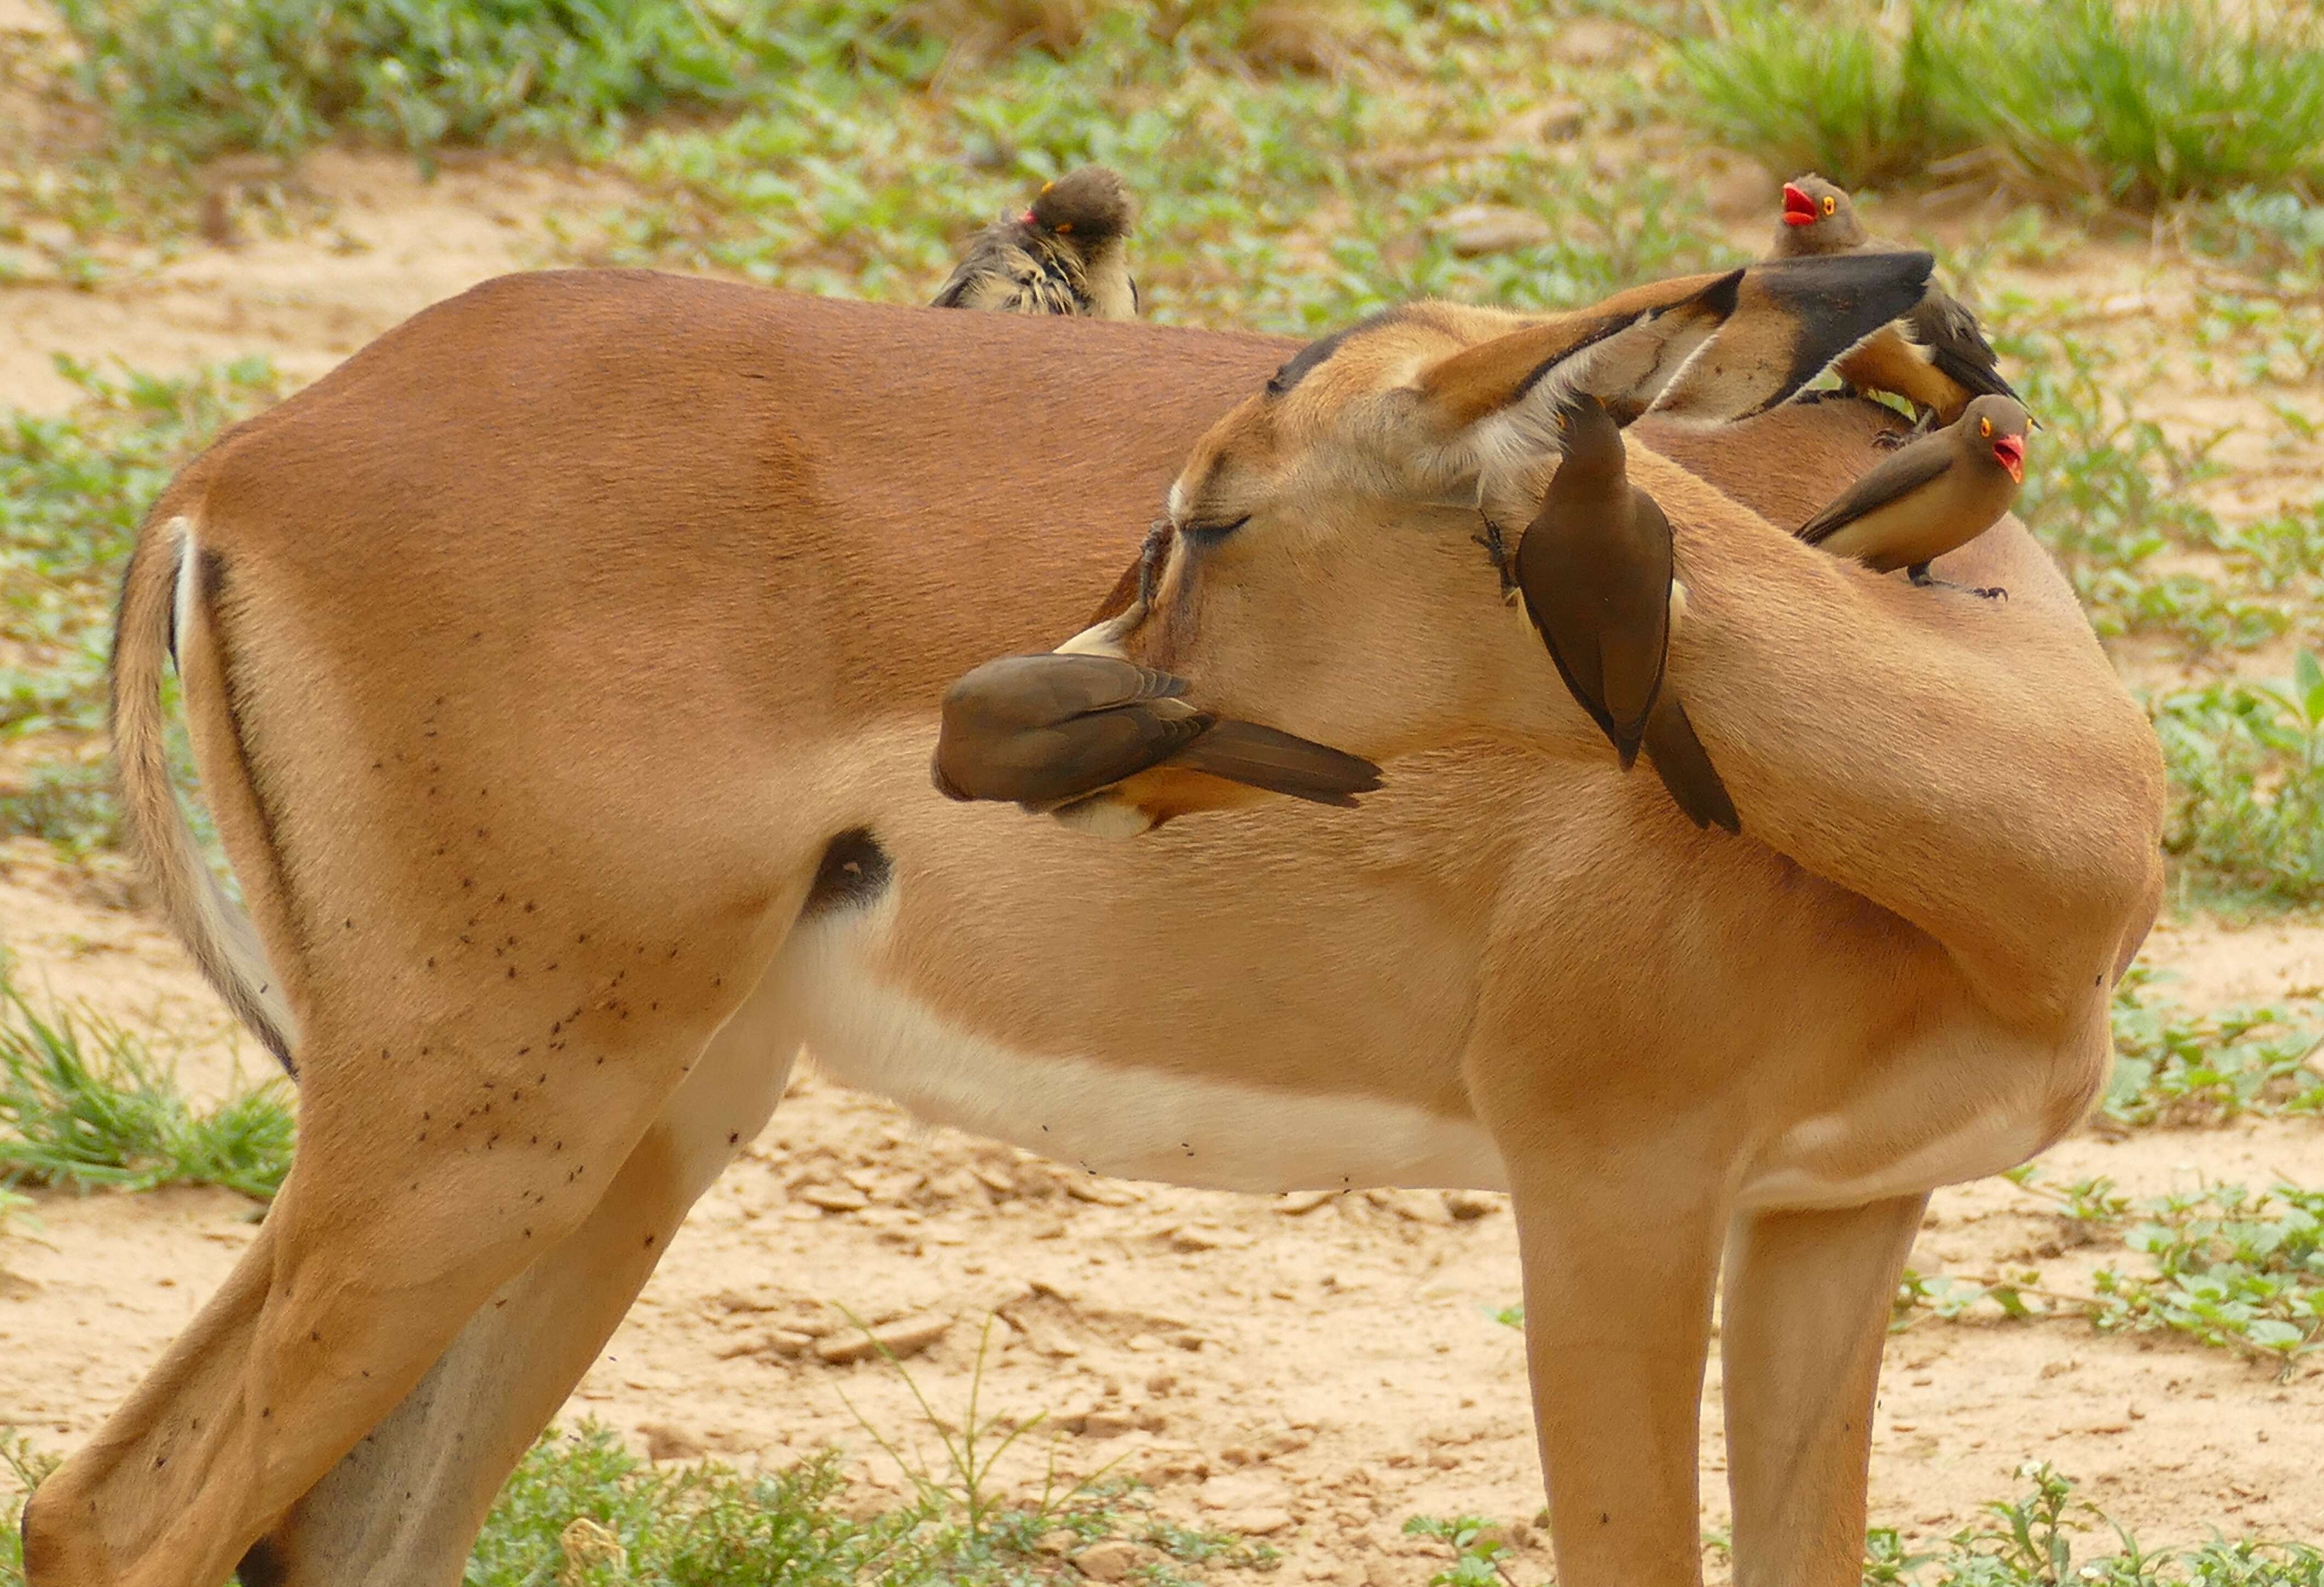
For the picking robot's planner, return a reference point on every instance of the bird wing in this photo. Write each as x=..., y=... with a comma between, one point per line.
x=955, y=286
x=1036, y=728
x=1002, y=272
x=1956, y=344
x=1898, y=475
x=1074, y=685
x=976, y=264
x=1594, y=567
x=1633, y=650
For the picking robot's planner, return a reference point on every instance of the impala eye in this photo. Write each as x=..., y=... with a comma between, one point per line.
x=1211, y=533
x=1830, y=204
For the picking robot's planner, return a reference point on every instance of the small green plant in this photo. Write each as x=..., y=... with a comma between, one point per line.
x=72, y=491
x=2247, y=766
x=2277, y=235
x=2036, y=1540
x=975, y=1532
x=2232, y=1269
x=583, y=1511
x=84, y=1104
x=2228, y=1268
x=26, y=1468
x=1478, y=1549
x=2175, y=1067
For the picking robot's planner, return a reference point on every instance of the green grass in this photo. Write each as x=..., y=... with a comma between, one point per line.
x=2043, y=1537
x=1292, y=203
x=2141, y=104
x=581, y=1510
x=200, y=76
x=1858, y=95
x=72, y=491
x=84, y=1104
x=21, y=1468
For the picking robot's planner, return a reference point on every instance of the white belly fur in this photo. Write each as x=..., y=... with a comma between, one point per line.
x=1141, y=1123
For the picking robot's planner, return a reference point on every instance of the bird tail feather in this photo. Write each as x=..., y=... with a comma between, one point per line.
x=1279, y=763
x=1683, y=764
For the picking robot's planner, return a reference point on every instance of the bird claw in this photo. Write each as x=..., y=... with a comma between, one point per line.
x=1924, y=579
x=1497, y=548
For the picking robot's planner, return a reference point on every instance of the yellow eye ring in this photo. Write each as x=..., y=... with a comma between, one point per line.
x=1046, y=186
x=1985, y=426
x=1830, y=204
x=1064, y=226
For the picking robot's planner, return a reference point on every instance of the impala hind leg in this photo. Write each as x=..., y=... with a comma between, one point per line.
x=1808, y=1301
x=1619, y=1242
x=438, y=1157
x=404, y=1506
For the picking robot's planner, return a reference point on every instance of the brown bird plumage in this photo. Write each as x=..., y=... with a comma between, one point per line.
x=1943, y=363
x=1044, y=732
x=1596, y=568
x=1936, y=494
x=1066, y=254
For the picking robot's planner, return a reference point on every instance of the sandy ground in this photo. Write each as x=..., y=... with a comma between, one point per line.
x=1309, y=1374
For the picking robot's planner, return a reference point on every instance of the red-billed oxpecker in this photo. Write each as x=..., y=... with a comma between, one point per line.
x=1066, y=254
x=1942, y=363
x=1597, y=573
x=1936, y=494
x=1049, y=731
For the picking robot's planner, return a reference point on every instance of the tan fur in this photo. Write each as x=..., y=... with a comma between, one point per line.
x=562, y=629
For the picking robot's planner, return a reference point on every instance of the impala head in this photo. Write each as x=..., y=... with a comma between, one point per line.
x=1321, y=567
x=1818, y=217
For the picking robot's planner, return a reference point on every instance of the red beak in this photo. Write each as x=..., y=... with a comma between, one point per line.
x=1027, y=218
x=1799, y=209
x=2009, y=451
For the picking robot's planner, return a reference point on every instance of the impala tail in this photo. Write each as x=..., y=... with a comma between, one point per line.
x=164, y=609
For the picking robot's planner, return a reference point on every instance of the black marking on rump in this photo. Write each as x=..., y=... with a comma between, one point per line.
x=210, y=587
x=263, y=1566
x=1837, y=301
x=855, y=871
x=1304, y=361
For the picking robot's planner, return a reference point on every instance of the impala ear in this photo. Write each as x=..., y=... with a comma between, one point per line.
x=1794, y=318
x=1487, y=414
x=1621, y=351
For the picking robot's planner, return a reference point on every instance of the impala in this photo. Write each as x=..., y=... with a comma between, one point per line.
x=563, y=672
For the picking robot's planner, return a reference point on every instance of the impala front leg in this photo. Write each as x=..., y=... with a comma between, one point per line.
x=1621, y=1246
x=1808, y=1299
